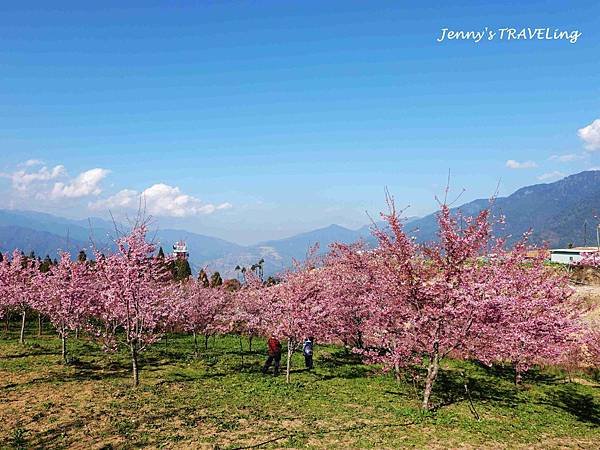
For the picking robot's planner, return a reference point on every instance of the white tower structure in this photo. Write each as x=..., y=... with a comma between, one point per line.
x=180, y=250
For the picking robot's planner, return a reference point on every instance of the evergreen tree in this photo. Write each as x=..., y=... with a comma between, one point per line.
x=181, y=270
x=82, y=257
x=271, y=281
x=232, y=285
x=216, y=280
x=161, y=253
x=46, y=264
x=203, y=278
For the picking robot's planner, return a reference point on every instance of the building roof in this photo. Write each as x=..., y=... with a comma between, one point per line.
x=575, y=250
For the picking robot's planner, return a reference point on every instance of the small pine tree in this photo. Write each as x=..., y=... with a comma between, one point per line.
x=203, y=278
x=272, y=281
x=232, y=285
x=82, y=257
x=46, y=264
x=161, y=253
x=181, y=270
x=216, y=280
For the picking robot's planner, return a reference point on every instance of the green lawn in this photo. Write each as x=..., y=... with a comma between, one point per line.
x=221, y=400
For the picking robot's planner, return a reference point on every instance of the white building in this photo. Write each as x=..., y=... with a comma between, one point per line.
x=570, y=255
x=180, y=250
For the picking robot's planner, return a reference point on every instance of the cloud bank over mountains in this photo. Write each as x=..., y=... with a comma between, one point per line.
x=34, y=181
x=159, y=199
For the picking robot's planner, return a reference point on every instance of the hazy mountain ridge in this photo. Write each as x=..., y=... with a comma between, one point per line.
x=556, y=212
x=46, y=234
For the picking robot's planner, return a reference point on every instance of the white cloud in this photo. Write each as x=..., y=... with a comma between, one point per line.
x=512, y=164
x=555, y=175
x=125, y=199
x=160, y=200
x=86, y=183
x=569, y=157
x=33, y=162
x=54, y=183
x=590, y=135
x=23, y=180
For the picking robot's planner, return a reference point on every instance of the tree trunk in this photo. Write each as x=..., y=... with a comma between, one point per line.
x=206, y=336
x=432, y=372
x=241, y=344
x=397, y=371
x=518, y=377
x=195, y=344
x=77, y=333
x=359, y=340
x=290, y=350
x=22, y=336
x=39, y=325
x=64, y=347
x=7, y=322
x=250, y=343
x=134, y=364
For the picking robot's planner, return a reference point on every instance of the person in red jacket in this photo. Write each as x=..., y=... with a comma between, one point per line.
x=274, y=355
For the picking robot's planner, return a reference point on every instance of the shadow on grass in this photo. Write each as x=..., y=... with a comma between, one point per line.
x=507, y=372
x=569, y=399
x=342, y=364
x=178, y=377
x=29, y=353
x=89, y=370
x=54, y=437
x=449, y=388
x=338, y=358
x=77, y=370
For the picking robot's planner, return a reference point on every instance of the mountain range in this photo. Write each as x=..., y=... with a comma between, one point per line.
x=559, y=214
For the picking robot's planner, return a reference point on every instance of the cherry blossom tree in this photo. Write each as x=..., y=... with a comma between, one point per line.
x=537, y=321
x=247, y=310
x=137, y=303
x=590, y=343
x=590, y=259
x=346, y=286
x=18, y=287
x=461, y=295
x=65, y=295
x=295, y=308
x=5, y=287
x=204, y=310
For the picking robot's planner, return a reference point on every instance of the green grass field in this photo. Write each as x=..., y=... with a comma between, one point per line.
x=221, y=400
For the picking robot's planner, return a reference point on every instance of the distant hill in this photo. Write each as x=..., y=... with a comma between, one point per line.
x=46, y=234
x=41, y=242
x=556, y=212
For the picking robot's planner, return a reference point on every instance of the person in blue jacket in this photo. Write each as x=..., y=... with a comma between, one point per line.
x=307, y=351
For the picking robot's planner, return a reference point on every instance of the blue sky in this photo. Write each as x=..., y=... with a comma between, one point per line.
x=257, y=120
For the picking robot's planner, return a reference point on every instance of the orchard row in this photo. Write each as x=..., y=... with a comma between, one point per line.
x=399, y=304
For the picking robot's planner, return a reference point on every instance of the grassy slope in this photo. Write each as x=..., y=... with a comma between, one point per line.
x=218, y=401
